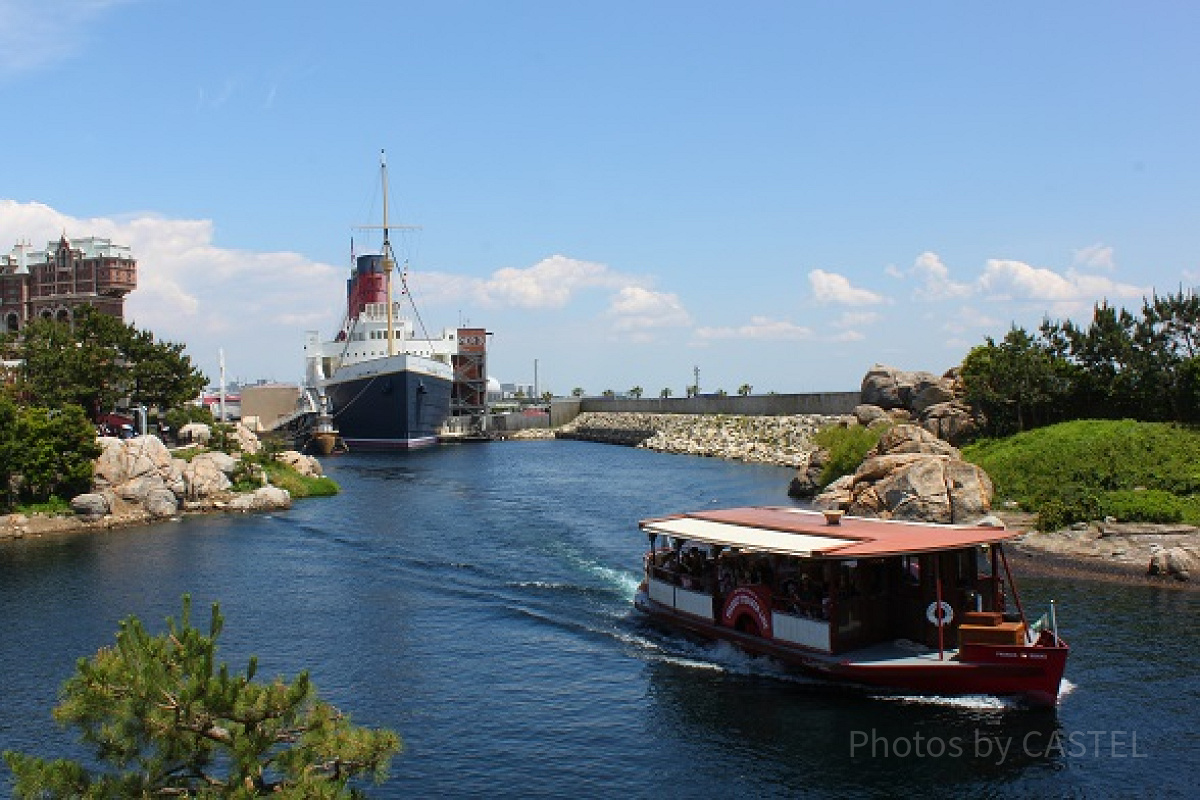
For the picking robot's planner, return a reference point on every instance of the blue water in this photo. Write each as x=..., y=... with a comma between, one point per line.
x=477, y=599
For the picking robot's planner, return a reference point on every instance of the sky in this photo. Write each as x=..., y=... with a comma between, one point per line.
x=774, y=194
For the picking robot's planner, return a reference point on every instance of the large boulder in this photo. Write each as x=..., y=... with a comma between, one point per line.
x=124, y=460
x=807, y=481
x=91, y=506
x=888, y=387
x=953, y=422
x=935, y=402
x=161, y=503
x=912, y=475
x=205, y=475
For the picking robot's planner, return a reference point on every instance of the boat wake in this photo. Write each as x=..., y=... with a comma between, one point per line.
x=980, y=702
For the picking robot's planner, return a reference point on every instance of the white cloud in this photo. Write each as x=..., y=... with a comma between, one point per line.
x=638, y=309
x=550, y=283
x=935, y=279
x=1019, y=281
x=1096, y=256
x=759, y=328
x=35, y=33
x=829, y=287
x=254, y=305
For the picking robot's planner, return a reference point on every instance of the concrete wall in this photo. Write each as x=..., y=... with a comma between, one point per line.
x=269, y=402
x=508, y=423
x=761, y=405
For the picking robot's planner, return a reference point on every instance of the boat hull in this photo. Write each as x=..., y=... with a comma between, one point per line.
x=1032, y=673
x=392, y=410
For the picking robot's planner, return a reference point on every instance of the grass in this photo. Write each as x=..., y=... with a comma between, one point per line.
x=1087, y=469
x=298, y=485
x=847, y=446
x=54, y=506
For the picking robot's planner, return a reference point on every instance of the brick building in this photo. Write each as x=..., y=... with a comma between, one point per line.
x=53, y=282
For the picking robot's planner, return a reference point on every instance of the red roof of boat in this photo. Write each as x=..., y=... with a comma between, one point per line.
x=803, y=532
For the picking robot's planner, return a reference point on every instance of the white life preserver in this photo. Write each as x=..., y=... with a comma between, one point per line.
x=943, y=610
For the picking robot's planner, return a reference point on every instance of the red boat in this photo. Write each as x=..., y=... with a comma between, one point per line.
x=909, y=607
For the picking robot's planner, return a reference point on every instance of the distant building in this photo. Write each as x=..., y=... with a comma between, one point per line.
x=52, y=283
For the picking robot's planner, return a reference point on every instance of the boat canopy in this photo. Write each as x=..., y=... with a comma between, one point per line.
x=809, y=534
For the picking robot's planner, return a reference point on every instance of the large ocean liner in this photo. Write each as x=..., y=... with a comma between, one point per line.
x=385, y=387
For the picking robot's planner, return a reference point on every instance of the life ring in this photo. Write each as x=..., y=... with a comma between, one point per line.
x=940, y=613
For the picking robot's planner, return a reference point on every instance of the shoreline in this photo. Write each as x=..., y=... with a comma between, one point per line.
x=1029, y=560
x=1109, y=552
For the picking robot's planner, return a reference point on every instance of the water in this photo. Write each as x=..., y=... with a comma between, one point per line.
x=477, y=599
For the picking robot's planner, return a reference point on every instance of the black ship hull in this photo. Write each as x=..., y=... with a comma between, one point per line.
x=400, y=410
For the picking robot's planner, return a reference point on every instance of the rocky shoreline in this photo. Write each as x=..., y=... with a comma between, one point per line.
x=140, y=481
x=1106, y=551
x=785, y=440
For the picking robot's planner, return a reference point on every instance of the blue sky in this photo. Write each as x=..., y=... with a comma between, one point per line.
x=778, y=193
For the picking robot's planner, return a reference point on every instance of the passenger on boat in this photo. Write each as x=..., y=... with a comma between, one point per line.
x=791, y=598
x=725, y=576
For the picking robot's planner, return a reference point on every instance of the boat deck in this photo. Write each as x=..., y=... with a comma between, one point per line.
x=896, y=653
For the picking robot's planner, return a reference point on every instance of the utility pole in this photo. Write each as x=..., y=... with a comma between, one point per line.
x=221, y=355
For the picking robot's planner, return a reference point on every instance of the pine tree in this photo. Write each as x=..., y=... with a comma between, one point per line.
x=171, y=721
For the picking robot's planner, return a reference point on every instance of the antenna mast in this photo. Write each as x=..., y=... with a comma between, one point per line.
x=388, y=262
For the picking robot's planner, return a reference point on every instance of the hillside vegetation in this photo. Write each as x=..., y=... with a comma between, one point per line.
x=1090, y=469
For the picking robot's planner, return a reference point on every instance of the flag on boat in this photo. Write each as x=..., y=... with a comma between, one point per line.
x=1039, y=625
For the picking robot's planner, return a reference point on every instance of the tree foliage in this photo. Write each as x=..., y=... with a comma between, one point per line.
x=168, y=720
x=96, y=361
x=1122, y=365
x=44, y=452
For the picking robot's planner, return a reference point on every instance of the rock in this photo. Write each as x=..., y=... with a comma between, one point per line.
x=836, y=495
x=950, y=421
x=205, y=475
x=911, y=474
x=807, y=481
x=783, y=440
x=866, y=414
x=90, y=507
x=247, y=440
x=888, y=387
x=1179, y=564
x=195, y=433
x=306, y=465
x=123, y=460
x=880, y=388
x=161, y=503
x=266, y=498
x=138, y=489
x=931, y=395
x=912, y=439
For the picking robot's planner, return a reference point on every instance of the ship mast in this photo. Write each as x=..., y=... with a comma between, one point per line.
x=388, y=262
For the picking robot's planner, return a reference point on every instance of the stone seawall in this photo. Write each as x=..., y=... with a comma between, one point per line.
x=784, y=440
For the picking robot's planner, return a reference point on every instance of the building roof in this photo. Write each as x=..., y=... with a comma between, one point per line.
x=804, y=533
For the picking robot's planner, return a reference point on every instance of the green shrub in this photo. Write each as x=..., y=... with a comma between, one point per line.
x=1150, y=505
x=847, y=446
x=1067, y=507
x=1083, y=470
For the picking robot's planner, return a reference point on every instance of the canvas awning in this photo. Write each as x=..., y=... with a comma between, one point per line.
x=807, y=534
